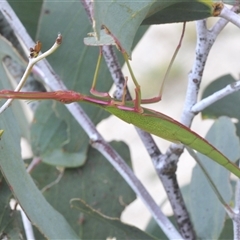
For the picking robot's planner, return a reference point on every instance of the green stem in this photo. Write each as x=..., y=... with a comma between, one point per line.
x=172, y=59
x=97, y=70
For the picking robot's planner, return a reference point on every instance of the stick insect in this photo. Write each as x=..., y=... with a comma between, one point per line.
x=132, y=112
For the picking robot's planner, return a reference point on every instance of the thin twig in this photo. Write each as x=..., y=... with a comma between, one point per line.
x=229, y=89
x=27, y=226
x=31, y=63
x=236, y=218
x=230, y=16
x=26, y=223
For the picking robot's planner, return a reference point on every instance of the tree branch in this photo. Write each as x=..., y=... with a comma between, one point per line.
x=167, y=177
x=230, y=15
x=170, y=184
x=205, y=40
x=229, y=89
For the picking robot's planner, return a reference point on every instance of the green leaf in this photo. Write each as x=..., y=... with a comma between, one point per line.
x=227, y=232
x=97, y=187
x=74, y=62
x=7, y=50
x=178, y=11
x=154, y=229
x=108, y=228
x=226, y=106
x=123, y=19
x=10, y=224
x=207, y=214
x=58, y=139
x=49, y=221
x=28, y=12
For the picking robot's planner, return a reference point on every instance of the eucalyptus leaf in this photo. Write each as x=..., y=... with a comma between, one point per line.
x=41, y=214
x=207, y=213
x=58, y=139
x=227, y=232
x=95, y=183
x=123, y=18
x=178, y=11
x=11, y=223
x=7, y=50
x=13, y=168
x=154, y=229
x=108, y=227
x=28, y=12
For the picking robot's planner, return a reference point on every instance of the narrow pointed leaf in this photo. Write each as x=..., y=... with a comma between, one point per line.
x=41, y=214
x=11, y=223
x=178, y=11
x=207, y=213
x=48, y=220
x=95, y=183
x=116, y=228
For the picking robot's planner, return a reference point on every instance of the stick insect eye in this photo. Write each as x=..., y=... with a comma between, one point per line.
x=35, y=51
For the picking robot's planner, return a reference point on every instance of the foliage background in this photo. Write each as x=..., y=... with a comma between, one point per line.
x=175, y=87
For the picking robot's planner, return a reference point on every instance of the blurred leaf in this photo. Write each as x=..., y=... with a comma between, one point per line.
x=11, y=224
x=108, y=228
x=226, y=106
x=28, y=12
x=58, y=140
x=6, y=49
x=95, y=183
x=207, y=213
x=123, y=19
x=49, y=221
x=178, y=11
x=154, y=229
x=227, y=232
x=74, y=62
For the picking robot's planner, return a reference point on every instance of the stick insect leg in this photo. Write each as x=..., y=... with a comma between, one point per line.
x=159, y=97
x=93, y=91
x=137, y=100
